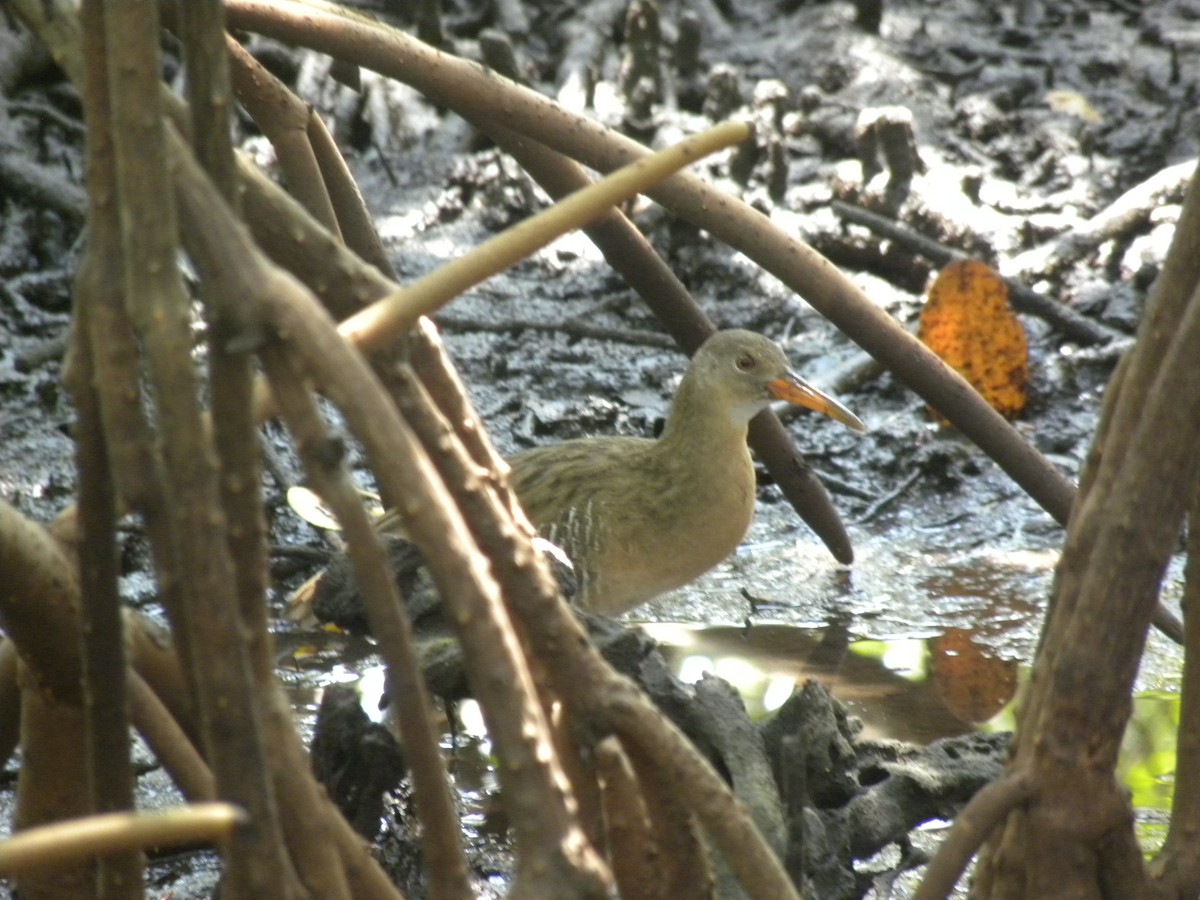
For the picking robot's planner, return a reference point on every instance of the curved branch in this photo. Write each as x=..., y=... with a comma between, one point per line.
x=971, y=828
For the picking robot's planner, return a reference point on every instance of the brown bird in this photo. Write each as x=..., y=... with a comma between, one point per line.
x=639, y=517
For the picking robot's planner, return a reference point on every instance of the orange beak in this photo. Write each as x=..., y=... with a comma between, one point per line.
x=795, y=389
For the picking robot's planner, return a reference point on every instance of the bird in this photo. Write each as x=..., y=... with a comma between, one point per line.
x=638, y=517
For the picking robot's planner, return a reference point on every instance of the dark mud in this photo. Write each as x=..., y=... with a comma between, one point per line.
x=1031, y=120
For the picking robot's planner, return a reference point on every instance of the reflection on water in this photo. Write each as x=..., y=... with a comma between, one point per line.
x=932, y=633
x=892, y=686
x=913, y=688
x=918, y=647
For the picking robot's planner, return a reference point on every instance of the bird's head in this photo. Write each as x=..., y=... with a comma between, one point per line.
x=742, y=372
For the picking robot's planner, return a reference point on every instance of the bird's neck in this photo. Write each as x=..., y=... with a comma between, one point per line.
x=695, y=422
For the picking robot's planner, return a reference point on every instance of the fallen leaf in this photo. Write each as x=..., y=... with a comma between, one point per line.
x=972, y=682
x=966, y=321
x=308, y=505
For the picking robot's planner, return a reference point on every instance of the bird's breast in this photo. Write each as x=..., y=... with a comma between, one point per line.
x=646, y=539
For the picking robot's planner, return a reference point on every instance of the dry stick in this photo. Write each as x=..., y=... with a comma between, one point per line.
x=283, y=118
x=105, y=703
x=293, y=240
x=1175, y=872
x=158, y=305
x=549, y=845
x=438, y=376
x=316, y=172
x=308, y=813
x=236, y=440
x=355, y=222
x=1071, y=323
x=377, y=326
x=154, y=658
x=578, y=760
x=49, y=787
x=44, y=621
x=632, y=846
x=235, y=433
x=489, y=510
x=685, y=865
x=479, y=95
x=103, y=649
x=169, y=742
x=74, y=842
x=38, y=611
x=10, y=700
x=52, y=625
x=208, y=91
x=323, y=460
x=667, y=750
x=628, y=252
x=971, y=828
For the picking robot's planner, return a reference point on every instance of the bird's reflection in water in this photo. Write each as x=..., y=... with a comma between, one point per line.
x=912, y=688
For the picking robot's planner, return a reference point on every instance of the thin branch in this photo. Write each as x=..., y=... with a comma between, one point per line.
x=102, y=647
x=353, y=217
x=106, y=705
x=39, y=596
x=634, y=852
x=283, y=118
x=686, y=866
x=101, y=625
x=76, y=841
x=51, y=785
x=169, y=742
x=200, y=561
x=637, y=722
x=549, y=845
x=971, y=828
x=10, y=700
x=444, y=858
x=380, y=324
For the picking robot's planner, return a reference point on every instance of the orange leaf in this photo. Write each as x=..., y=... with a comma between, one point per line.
x=974, y=684
x=966, y=321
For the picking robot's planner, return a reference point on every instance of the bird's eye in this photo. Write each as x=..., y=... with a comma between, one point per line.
x=745, y=362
